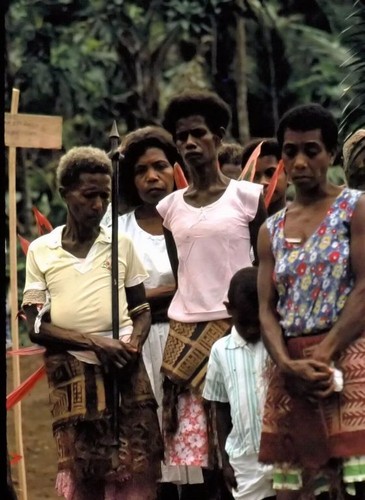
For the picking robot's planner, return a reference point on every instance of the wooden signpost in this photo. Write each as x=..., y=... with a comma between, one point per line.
x=25, y=131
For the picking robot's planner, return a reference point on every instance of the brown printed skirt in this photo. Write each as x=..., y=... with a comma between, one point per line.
x=81, y=398
x=187, y=350
x=185, y=363
x=306, y=434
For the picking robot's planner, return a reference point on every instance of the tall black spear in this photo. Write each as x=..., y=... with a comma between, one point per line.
x=114, y=155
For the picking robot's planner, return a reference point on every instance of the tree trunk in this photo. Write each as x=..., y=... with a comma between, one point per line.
x=241, y=78
x=273, y=91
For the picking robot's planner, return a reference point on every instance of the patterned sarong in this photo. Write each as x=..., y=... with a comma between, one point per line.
x=308, y=435
x=81, y=399
x=185, y=362
x=187, y=350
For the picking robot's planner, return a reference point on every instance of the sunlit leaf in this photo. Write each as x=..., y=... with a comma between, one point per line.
x=179, y=177
x=248, y=171
x=43, y=224
x=273, y=183
x=15, y=396
x=24, y=244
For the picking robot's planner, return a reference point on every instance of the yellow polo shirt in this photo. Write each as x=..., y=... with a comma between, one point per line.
x=80, y=289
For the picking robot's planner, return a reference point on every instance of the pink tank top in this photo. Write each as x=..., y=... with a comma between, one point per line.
x=213, y=242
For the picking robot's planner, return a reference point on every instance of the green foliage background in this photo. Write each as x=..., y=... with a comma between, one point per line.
x=93, y=61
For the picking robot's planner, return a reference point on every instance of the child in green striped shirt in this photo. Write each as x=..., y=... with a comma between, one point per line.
x=235, y=383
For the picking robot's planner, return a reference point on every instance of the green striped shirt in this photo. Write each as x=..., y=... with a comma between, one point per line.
x=234, y=376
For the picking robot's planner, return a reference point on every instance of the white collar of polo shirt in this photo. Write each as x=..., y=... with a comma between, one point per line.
x=54, y=238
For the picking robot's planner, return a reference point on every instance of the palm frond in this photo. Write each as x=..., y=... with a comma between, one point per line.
x=353, y=114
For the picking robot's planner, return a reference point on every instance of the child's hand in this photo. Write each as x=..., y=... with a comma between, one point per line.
x=229, y=477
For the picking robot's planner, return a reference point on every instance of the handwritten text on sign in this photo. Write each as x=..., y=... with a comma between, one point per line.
x=33, y=131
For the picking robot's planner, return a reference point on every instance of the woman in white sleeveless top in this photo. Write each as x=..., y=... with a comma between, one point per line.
x=145, y=178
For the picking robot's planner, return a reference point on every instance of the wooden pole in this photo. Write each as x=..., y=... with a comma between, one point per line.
x=114, y=153
x=14, y=302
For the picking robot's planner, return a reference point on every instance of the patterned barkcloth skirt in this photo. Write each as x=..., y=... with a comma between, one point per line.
x=314, y=436
x=187, y=419
x=187, y=350
x=81, y=396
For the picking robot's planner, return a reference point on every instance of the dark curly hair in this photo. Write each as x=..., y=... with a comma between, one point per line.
x=215, y=111
x=134, y=145
x=243, y=288
x=310, y=117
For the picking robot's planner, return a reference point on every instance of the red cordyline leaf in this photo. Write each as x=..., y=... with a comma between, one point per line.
x=15, y=396
x=15, y=458
x=26, y=351
x=272, y=184
x=43, y=224
x=179, y=177
x=249, y=169
x=24, y=244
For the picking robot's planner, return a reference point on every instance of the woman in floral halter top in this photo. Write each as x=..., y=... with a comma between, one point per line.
x=312, y=311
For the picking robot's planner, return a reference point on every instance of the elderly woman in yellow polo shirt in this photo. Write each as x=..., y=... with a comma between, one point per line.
x=68, y=274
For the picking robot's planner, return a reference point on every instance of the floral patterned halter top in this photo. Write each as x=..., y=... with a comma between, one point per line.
x=314, y=279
